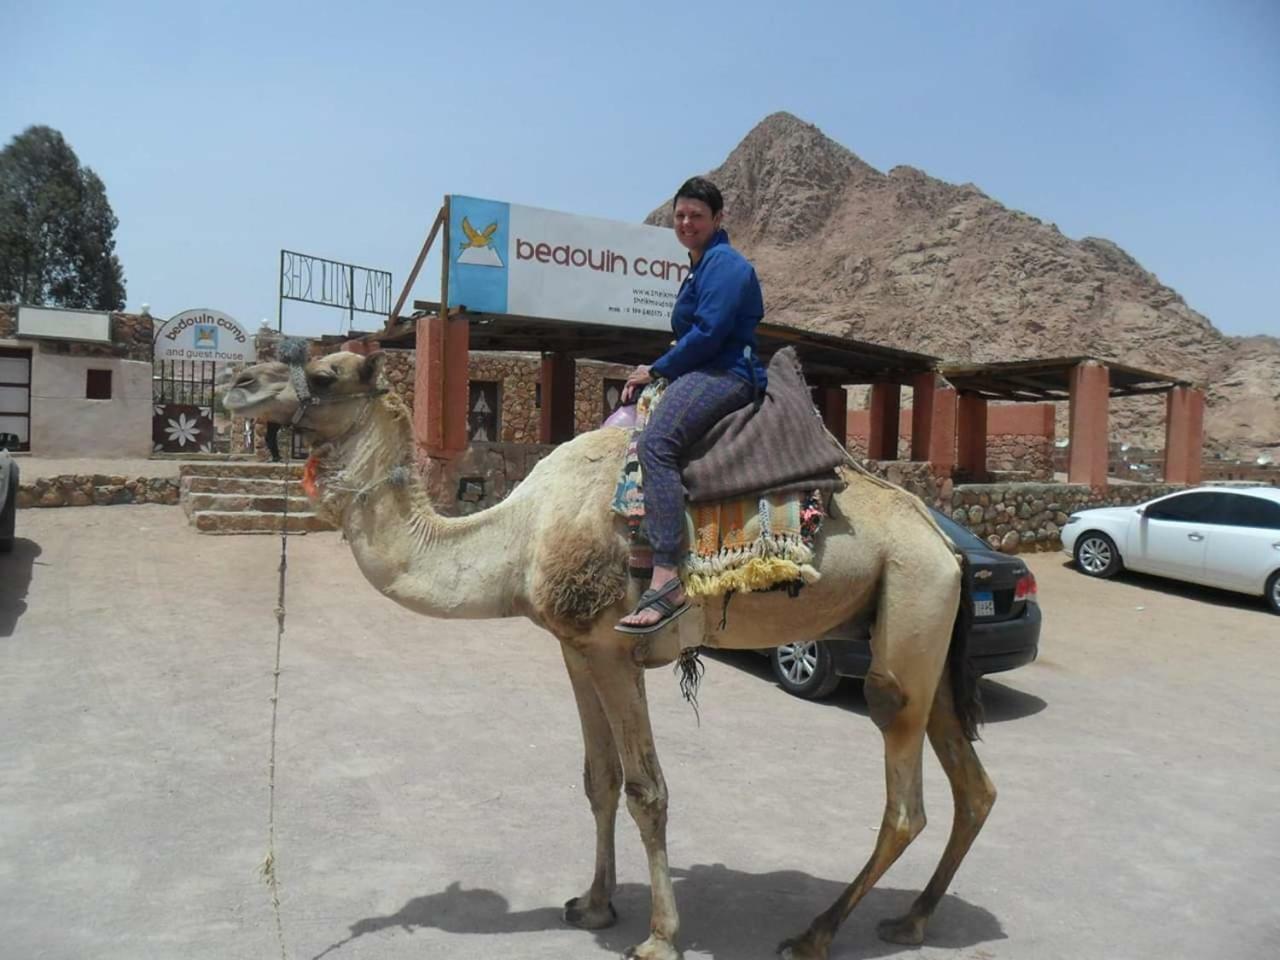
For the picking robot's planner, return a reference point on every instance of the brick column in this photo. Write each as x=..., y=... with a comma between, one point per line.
x=942, y=440
x=833, y=403
x=1183, y=435
x=428, y=386
x=440, y=385
x=886, y=408
x=1090, y=404
x=557, y=415
x=923, y=387
x=971, y=435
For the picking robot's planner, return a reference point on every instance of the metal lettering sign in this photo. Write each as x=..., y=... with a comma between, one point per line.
x=331, y=283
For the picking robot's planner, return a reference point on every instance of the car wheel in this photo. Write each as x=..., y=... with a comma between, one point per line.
x=805, y=669
x=1273, y=592
x=1096, y=555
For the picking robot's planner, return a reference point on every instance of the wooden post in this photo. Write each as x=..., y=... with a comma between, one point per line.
x=422, y=256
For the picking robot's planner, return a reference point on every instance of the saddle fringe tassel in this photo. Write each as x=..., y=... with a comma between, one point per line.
x=690, y=669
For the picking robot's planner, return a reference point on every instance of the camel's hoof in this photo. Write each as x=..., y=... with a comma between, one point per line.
x=908, y=930
x=584, y=917
x=799, y=948
x=655, y=948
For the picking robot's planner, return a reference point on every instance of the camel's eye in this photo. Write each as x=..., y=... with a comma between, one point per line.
x=321, y=379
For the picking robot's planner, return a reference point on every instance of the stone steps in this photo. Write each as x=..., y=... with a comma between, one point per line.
x=234, y=502
x=253, y=471
x=264, y=487
x=254, y=521
x=225, y=498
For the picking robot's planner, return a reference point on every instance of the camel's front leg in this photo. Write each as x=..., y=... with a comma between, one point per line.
x=619, y=681
x=602, y=779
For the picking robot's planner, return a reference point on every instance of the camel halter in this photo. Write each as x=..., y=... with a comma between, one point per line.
x=294, y=352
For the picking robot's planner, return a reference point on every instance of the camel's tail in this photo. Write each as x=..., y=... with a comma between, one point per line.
x=963, y=678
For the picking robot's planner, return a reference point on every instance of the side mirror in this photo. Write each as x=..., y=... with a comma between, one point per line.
x=1140, y=511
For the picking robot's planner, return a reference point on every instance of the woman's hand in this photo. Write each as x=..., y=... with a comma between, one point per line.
x=639, y=378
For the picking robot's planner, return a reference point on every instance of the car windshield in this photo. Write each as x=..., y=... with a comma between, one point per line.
x=963, y=536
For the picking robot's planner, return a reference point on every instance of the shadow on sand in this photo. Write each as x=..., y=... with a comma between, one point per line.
x=15, y=580
x=726, y=914
x=1190, y=591
x=1000, y=702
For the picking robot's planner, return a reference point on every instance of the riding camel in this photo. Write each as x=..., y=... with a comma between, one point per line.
x=554, y=552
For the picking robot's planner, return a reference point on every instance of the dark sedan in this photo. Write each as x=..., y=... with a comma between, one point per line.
x=1005, y=632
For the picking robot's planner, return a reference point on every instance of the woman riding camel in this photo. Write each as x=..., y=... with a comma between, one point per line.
x=712, y=371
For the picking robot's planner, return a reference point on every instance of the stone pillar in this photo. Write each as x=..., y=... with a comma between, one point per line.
x=1183, y=435
x=971, y=435
x=942, y=442
x=833, y=404
x=440, y=385
x=923, y=388
x=886, y=408
x=1090, y=404
x=557, y=420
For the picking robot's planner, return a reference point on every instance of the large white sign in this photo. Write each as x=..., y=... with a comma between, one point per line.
x=204, y=335
x=90, y=326
x=505, y=258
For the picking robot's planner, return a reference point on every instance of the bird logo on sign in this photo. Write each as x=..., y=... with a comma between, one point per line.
x=478, y=248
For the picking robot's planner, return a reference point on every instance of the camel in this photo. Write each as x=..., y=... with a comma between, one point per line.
x=555, y=553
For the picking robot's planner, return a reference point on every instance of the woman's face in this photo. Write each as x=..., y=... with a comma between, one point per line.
x=695, y=224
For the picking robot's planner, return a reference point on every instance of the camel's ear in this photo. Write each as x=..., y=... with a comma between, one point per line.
x=371, y=367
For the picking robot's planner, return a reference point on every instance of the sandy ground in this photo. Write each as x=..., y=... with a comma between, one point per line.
x=428, y=785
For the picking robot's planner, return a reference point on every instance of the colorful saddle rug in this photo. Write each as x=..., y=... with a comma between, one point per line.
x=745, y=544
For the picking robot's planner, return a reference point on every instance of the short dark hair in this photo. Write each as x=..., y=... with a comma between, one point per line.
x=700, y=188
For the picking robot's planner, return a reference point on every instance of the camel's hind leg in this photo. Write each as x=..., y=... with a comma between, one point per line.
x=602, y=780
x=974, y=797
x=902, y=822
x=909, y=650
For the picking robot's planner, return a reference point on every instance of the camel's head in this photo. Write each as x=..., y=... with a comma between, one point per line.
x=335, y=385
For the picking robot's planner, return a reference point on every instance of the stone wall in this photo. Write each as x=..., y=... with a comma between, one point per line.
x=482, y=476
x=1023, y=453
x=518, y=376
x=1012, y=516
x=1019, y=517
x=400, y=368
x=85, y=490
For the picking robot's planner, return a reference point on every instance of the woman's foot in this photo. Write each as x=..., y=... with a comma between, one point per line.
x=663, y=602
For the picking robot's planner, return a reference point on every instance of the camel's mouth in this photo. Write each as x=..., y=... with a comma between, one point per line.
x=252, y=399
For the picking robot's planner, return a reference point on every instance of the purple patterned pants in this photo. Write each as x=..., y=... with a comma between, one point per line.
x=690, y=406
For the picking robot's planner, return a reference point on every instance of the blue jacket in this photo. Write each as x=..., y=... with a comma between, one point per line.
x=715, y=317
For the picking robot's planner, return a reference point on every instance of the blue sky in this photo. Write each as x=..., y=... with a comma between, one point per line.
x=226, y=131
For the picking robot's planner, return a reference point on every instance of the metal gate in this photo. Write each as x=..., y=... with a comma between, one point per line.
x=182, y=393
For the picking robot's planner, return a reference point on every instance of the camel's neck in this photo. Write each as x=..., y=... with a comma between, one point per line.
x=470, y=567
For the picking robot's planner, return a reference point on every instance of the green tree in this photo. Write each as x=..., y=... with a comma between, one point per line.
x=57, y=230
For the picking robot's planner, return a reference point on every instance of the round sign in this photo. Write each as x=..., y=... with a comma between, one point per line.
x=203, y=335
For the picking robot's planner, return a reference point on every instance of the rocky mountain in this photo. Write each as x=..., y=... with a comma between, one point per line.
x=912, y=261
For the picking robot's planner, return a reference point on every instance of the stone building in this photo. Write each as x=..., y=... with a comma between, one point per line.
x=76, y=383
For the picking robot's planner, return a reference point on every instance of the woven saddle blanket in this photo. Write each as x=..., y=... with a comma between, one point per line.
x=760, y=534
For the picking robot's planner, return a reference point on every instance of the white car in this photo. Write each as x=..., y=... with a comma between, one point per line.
x=1226, y=537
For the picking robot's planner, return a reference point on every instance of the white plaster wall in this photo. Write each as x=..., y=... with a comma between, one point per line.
x=65, y=424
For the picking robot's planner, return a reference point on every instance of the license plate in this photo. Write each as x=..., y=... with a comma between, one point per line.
x=984, y=604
